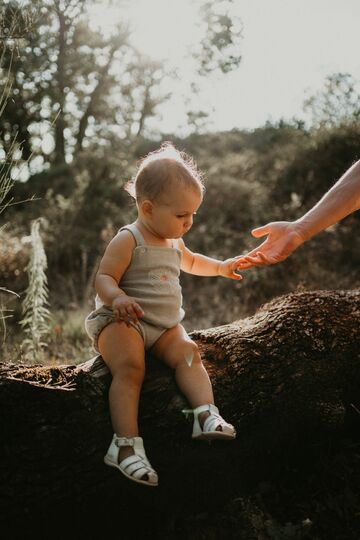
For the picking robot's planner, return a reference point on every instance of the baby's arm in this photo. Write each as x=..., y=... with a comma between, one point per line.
x=113, y=265
x=200, y=265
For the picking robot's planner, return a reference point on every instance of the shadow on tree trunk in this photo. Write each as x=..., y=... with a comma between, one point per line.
x=288, y=378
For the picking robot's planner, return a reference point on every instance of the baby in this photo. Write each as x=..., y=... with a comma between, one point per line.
x=139, y=306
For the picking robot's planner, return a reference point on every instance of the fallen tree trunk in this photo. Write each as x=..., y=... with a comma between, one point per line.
x=288, y=378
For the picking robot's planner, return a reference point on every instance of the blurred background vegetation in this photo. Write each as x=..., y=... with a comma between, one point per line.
x=75, y=111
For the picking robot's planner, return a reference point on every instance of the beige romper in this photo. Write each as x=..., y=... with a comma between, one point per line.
x=152, y=279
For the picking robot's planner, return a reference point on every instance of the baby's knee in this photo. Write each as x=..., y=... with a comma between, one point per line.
x=190, y=354
x=129, y=367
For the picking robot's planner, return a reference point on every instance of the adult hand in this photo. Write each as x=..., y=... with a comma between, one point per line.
x=283, y=237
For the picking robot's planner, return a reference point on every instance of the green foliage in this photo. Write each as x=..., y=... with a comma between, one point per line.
x=274, y=172
x=337, y=103
x=73, y=87
x=36, y=314
x=67, y=340
x=316, y=165
x=78, y=231
x=13, y=24
x=5, y=311
x=219, y=49
x=66, y=92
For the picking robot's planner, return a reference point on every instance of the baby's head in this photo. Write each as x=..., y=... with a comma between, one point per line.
x=162, y=172
x=168, y=189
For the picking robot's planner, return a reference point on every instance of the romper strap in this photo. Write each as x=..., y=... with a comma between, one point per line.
x=139, y=239
x=175, y=244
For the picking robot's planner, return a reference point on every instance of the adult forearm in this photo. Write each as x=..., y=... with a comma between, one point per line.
x=340, y=201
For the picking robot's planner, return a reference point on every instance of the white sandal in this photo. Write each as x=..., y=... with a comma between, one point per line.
x=134, y=467
x=213, y=421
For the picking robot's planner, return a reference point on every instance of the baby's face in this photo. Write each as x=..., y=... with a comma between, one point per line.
x=173, y=217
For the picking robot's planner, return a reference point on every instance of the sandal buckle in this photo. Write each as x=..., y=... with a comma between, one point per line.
x=187, y=412
x=123, y=441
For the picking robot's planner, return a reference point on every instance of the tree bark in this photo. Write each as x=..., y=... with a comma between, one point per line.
x=287, y=378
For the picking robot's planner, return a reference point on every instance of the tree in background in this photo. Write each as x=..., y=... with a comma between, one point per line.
x=328, y=148
x=217, y=52
x=10, y=32
x=80, y=103
x=253, y=177
x=67, y=83
x=338, y=102
x=219, y=48
x=142, y=91
x=73, y=86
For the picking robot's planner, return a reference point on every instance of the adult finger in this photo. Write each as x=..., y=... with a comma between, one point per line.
x=243, y=262
x=261, y=231
x=259, y=256
x=257, y=259
x=245, y=265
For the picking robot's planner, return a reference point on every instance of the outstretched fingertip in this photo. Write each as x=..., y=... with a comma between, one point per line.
x=260, y=231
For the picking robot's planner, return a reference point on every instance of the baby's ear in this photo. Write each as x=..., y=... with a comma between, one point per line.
x=146, y=207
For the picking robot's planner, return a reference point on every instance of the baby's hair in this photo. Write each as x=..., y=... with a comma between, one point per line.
x=162, y=170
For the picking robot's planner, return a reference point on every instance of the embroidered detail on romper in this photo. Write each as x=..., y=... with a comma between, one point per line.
x=160, y=278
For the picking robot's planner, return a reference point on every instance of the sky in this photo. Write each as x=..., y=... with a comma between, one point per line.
x=288, y=48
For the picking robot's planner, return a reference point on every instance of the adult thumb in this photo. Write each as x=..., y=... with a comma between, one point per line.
x=260, y=231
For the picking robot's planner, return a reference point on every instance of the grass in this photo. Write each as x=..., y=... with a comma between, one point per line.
x=67, y=342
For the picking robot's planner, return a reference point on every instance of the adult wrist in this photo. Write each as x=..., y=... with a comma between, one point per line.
x=301, y=228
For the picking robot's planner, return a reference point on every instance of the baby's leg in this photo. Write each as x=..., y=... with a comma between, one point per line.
x=175, y=348
x=122, y=349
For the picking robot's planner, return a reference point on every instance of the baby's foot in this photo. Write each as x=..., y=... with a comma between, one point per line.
x=208, y=424
x=125, y=452
x=128, y=455
x=203, y=416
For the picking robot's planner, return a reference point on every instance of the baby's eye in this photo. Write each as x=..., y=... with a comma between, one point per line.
x=185, y=215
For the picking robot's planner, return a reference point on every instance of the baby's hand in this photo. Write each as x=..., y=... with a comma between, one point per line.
x=126, y=309
x=227, y=269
